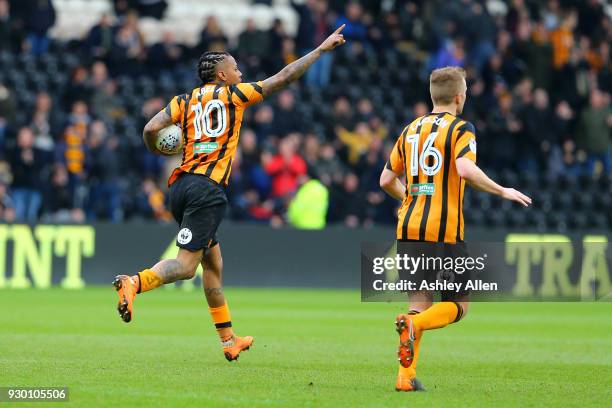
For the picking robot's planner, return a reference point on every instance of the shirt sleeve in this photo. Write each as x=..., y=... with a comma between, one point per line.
x=247, y=93
x=175, y=108
x=396, y=158
x=466, y=142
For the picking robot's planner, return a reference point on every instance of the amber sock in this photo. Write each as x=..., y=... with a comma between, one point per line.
x=147, y=280
x=437, y=316
x=223, y=322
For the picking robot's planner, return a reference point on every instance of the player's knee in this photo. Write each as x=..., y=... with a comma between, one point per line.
x=189, y=272
x=189, y=264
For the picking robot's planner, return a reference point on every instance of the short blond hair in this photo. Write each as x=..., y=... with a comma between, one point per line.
x=445, y=83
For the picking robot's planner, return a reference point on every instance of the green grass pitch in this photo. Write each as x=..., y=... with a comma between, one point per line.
x=312, y=348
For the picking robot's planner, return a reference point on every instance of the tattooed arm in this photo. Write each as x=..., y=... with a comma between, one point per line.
x=297, y=68
x=157, y=123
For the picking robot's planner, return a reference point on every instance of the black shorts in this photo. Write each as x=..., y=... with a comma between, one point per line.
x=449, y=254
x=198, y=205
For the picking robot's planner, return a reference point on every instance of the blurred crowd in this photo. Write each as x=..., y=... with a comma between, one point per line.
x=539, y=85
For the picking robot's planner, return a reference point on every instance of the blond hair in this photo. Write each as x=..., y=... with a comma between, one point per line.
x=445, y=83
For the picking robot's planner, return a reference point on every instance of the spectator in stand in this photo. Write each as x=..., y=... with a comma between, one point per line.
x=504, y=126
x=355, y=30
x=533, y=47
x=99, y=74
x=78, y=89
x=328, y=166
x=105, y=103
x=346, y=205
x=252, y=46
x=45, y=123
x=28, y=165
x=368, y=170
x=563, y=40
x=151, y=202
x=358, y=141
x=263, y=123
x=306, y=29
x=212, y=37
x=150, y=8
x=274, y=55
x=285, y=168
x=288, y=53
x=286, y=118
x=342, y=116
x=59, y=203
x=452, y=53
x=38, y=17
x=308, y=208
x=103, y=175
x=479, y=29
x=313, y=28
x=72, y=150
x=594, y=132
x=121, y=7
x=563, y=120
x=128, y=50
x=256, y=177
x=7, y=115
x=100, y=39
x=7, y=208
x=311, y=149
x=11, y=35
x=539, y=136
x=150, y=165
x=165, y=55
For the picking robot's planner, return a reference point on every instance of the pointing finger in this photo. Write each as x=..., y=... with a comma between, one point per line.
x=339, y=29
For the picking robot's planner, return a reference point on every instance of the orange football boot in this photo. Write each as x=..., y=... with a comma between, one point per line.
x=406, y=330
x=239, y=345
x=127, y=293
x=406, y=383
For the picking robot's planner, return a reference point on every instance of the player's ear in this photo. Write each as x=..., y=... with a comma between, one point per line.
x=221, y=75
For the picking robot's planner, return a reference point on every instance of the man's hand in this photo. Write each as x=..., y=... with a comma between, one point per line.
x=296, y=69
x=515, y=195
x=477, y=179
x=157, y=123
x=334, y=40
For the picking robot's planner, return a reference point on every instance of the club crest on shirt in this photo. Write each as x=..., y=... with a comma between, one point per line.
x=472, y=145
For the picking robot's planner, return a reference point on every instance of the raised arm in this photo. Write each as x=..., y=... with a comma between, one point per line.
x=157, y=123
x=297, y=68
x=477, y=179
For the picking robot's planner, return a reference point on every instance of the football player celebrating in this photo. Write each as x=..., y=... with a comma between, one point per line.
x=210, y=117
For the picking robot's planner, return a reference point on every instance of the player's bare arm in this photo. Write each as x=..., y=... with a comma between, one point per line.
x=297, y=68
x=476, y=178
x=157, y=123
x=391, y=184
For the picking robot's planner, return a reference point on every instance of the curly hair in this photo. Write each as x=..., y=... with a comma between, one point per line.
x=207, y=64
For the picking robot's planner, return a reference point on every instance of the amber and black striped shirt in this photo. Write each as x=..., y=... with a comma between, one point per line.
x=425, y=154
x=211, y=117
